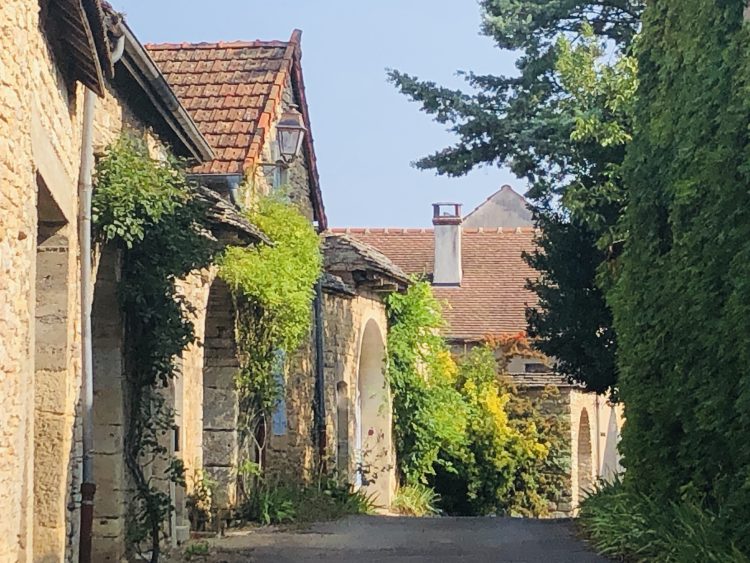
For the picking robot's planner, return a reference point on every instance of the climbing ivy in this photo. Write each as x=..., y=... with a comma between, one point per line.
x=273, y=289
x=144, y=206
x=682, y=303
x=459, y=426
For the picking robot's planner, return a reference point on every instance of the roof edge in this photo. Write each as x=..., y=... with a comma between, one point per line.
x=298, y=87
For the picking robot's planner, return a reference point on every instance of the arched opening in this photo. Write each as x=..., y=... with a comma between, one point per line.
x=220, y=400
x=373, y=443
x=585, y=460
x=611, y=461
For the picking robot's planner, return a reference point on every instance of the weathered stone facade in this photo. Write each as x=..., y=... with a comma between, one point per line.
x=39, y=151
x=41, y=112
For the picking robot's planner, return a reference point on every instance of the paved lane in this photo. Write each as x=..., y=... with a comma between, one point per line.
x=371, y=539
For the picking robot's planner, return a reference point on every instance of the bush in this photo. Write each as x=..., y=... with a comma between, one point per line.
x=623, y=523
x=416, y=500
x=459, y=429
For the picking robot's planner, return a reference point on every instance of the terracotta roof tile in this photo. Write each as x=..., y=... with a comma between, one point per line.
x=492, y=298
x=233, y=90
x=227, y=87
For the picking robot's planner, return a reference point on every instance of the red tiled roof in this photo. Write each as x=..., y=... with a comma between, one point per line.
x=233, y=91
x=492, y=298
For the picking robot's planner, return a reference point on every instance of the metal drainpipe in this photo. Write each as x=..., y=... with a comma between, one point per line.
x=320, y=393
x=88, y=488
x=85, y=188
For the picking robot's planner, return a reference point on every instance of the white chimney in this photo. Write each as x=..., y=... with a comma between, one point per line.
x=446, y=217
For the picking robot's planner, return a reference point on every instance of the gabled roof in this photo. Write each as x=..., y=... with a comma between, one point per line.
x=233, y=92
x=492, y=298
x=505, y=208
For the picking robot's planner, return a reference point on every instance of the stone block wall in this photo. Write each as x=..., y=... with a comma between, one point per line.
x=557, y=405
x=189, y=403
x=294, y=454
x=595, y=431
x=110, y=473
x=295, y=180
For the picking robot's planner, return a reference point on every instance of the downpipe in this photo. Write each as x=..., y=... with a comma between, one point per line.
x=85, y=190
x=88, y=487
x=320, y=393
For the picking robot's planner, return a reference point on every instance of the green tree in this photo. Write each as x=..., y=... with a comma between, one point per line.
x=561, y=131
x=682, y=301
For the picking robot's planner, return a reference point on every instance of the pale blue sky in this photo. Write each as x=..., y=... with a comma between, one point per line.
x=366, y=134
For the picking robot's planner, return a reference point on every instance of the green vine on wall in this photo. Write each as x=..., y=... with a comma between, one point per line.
x=144, y=206
x=273, y=289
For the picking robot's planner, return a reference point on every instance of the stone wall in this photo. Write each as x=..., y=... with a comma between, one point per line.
x=189, y=404
x=595, y=431
x=345, y=323
x=295, y=180
x=40, y=430
x=39, y=135
x=294, y=453
x=291, y=450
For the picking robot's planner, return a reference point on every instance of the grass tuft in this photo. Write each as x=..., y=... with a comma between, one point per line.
x=416, y=500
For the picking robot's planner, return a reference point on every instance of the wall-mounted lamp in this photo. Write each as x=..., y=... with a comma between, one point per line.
x=290, y=132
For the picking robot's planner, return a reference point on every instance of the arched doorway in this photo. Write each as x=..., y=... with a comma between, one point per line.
x=220, y=401
x=372, y=440
x=585, y=460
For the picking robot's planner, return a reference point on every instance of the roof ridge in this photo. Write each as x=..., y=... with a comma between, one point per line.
x=422, y=230
x=236, y=44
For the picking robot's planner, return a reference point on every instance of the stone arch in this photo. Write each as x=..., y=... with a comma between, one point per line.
x=585, y=456
x=373, y=416
x=611, y=460
x=220, y=399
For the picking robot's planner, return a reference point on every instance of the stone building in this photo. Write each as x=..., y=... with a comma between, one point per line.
x=61, y=49
x=480, y=274
x=335, y=394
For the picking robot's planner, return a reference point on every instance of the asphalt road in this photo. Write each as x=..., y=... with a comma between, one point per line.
x=366, y=539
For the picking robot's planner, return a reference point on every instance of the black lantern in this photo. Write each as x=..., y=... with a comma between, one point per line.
x=290, y=132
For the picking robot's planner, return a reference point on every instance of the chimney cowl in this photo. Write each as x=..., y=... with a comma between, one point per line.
x=446, y=214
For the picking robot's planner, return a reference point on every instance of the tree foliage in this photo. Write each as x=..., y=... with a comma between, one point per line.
x=682, y=302
x=561, y=123
x=460, y=427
